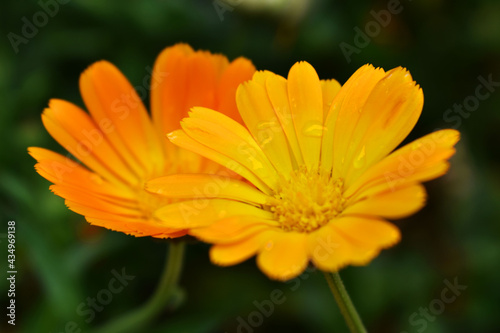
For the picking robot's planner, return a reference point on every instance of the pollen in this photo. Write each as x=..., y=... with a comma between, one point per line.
x=308, y=200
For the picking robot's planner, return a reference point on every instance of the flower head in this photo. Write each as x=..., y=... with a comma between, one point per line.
x=121, y=147
x=322, y=173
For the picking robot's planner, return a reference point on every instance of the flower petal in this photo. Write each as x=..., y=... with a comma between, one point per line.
x=238, y=71
x=181, y=139
x=203, y=212
x=390, y=204
x=306, y=106
x=233, y=229
x=418, y=161
x=234, y=253
x=284, y=255
x=261, y=120
x=367, y=232
x=111, y=99
x=76, y=131
x=183, y=186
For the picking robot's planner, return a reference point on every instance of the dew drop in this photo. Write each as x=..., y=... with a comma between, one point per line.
x=96, y=179
x=315, y=131
x=360, y=161
x=269, y=245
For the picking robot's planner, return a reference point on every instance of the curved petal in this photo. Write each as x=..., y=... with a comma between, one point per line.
x=387, y=117
x=390, y=204
x=181, y=186
x=111, y=99
x=284, y=255
x=229, y=138
x=306, y=106
x=238, y=71
x=203, y=212
x=261, y=120
x=233, y=229
x=181, y=139
x=77, y=132
x=367, y=232
x=234, y=253
x=343, y=115
x=418, y=161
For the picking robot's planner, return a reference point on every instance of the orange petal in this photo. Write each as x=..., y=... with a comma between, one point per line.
x=110, y=98
x=284, y=255
x=59, y=169
x=76, y=131
x=168, y=87
x=238, y=71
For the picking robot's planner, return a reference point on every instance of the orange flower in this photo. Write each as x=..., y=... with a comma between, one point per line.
x=318, y=157
x=122, y=148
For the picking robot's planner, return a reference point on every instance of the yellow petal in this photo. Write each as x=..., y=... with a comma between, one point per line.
x=233, y=229
x=367, y=232
x=234, y=253
x=328, y=250
x=182, y=186
x=418, y=161
x=386, y=118
x=343, y=116
x=181, y=139
x=277, y=91
x=306, y=106
x=202, y=212
x=284, y=255
x=330, y=89
x=390, y=204
x=229, y=138
x=261, y=120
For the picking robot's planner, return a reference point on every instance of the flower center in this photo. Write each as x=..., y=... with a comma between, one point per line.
x=308, y=200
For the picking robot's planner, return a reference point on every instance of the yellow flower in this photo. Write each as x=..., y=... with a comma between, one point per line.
x=321, y=171
x=121, y=147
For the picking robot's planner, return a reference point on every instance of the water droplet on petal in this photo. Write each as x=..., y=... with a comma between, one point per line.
x=269, y=245
x=96, y=179
x=360, y=160
x=314, y=130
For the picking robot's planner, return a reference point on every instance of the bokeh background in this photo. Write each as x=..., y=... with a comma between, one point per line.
x=61, y=260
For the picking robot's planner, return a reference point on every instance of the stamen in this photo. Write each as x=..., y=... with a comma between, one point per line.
x=308, y=200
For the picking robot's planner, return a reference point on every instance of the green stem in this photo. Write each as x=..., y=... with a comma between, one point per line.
x=135, y=320
x=344, y=302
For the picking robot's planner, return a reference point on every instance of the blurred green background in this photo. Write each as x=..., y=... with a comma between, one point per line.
x=62, y=260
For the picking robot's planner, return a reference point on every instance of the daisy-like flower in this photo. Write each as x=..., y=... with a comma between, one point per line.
x=121, y=147
x=321, y=172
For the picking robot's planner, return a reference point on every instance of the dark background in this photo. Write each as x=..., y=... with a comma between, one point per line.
x=62, y=260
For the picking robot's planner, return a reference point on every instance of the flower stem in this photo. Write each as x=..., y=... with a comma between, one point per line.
x=344, y=302
x=135, y=320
